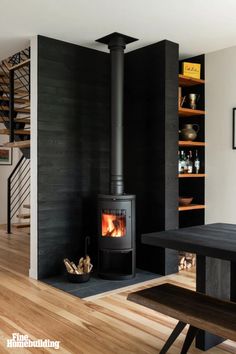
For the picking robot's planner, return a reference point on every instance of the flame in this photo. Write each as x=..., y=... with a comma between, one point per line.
x=113, y=225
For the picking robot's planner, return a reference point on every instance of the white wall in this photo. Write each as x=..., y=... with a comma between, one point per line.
x=220, y=73
x=5, y=171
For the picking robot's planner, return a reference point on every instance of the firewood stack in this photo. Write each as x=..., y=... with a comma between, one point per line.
x=84, y=266
x=186, y=261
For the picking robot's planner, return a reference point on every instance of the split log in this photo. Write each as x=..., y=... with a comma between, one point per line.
x=68, y=266
x=75, y=268
x=87, y=265
x=83, y=267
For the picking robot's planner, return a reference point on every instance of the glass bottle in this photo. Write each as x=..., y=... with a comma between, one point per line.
x=196, y=163
x=190, y=162
x=182, y=162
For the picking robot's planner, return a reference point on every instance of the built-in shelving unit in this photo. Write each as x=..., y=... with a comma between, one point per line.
x=193, y=185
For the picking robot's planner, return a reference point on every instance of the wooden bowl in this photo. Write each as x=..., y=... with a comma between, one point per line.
x=78, y=278
x=185, y=201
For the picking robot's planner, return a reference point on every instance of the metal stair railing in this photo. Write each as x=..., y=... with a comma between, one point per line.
x=16, y=79
x=4, y=90
x=18, y=189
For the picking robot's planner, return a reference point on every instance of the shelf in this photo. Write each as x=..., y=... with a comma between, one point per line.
x=191, y=175
x=188, y=112
x=191, y=207
x=186, y=81
x=191, y=143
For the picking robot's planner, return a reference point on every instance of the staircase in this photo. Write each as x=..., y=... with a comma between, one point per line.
x=15, y=116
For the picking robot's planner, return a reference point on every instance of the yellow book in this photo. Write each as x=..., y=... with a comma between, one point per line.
x=191, y=70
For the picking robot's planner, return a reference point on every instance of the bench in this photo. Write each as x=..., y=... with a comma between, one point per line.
x=189, y=307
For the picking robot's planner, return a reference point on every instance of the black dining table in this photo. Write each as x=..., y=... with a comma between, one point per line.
x=215, y=248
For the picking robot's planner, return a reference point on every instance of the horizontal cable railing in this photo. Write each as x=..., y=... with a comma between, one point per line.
x=18, y=188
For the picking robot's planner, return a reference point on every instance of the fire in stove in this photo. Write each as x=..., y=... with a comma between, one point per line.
x=113, y=223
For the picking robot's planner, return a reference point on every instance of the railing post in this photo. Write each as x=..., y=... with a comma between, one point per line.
x=11, y=105
x=9, y=205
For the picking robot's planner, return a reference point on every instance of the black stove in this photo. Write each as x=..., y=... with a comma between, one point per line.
x=116, y=211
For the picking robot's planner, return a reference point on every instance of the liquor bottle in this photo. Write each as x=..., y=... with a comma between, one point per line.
x=182, y=162
x=179, y=163
x=197, y=163
x=185, y=164
x=190, y=162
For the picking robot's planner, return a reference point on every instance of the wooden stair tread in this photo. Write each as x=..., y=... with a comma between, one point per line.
x=16, y=92
x=199, y=310
x=5, y=80
x=21, y=225
x=16, y=120
x=16, y=132
x=22, y=120
x=23, y=216
x=18, y=144
x=17, y=109
x=16, y=100
x=17, y=66
x=26, y=206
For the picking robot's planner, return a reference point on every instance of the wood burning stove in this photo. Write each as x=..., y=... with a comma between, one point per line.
x=116, y=211
x=116, y=243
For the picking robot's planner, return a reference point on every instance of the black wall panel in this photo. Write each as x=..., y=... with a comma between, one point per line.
x=151, y=136
x=73, y=148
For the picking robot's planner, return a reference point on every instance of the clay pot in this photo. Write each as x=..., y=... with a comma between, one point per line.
x=188, y=132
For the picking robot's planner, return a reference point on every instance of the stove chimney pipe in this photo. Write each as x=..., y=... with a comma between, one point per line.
x=116, y=43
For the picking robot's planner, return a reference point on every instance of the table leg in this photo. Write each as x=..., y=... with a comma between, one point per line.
x=213, y=278
x=233, y=282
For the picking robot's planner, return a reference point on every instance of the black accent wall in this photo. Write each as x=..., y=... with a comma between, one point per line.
x=151, y=136
x=73, y=148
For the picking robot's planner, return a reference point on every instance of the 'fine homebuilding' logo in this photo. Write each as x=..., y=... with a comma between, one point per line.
x=22, y=341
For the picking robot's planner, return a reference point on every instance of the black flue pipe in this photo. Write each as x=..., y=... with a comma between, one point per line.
x=117, y=47
x=116, y=44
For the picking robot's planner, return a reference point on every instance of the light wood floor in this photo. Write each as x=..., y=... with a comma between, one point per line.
x=15, y=249
x=103, y=324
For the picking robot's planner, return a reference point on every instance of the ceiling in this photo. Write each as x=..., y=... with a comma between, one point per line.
x=199, y=26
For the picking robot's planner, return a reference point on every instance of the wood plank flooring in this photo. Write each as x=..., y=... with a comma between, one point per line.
x=106, y=323
x=15, y=249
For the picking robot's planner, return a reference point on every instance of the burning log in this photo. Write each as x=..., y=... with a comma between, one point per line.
x=84, y=266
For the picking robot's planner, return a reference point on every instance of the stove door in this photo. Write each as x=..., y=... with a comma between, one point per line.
x=114, y=224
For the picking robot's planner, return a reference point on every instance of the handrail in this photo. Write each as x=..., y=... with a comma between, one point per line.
x=16, y=167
